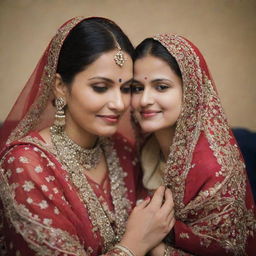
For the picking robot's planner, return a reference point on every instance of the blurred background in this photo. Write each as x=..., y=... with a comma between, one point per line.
x=224, y=31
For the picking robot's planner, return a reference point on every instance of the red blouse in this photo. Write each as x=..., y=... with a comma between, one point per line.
x=43, y=211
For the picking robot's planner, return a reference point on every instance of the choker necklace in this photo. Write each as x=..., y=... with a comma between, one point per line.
x=110, y=225
x=72, y=153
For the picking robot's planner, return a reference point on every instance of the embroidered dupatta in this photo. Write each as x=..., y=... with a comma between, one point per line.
x=27, y=165
x=214, y=207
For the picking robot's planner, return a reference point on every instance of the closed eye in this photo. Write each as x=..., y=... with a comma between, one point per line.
x=100, y=88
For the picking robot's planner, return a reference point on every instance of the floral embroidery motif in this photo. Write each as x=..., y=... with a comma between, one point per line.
x=47, y=222
x=28, y=185
x=29, y=200
x=38, y=169
x=184, y=235
x=44, y=188
x=23, y=159
x=11, y=159
x=19, y=170
x=50, y=178
x=43, y=204
x=56, y=211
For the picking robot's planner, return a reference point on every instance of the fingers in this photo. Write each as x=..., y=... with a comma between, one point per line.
x=143, y=203
x=172, y=223
x=157, y=198
x=170, y=215
x=168, y=203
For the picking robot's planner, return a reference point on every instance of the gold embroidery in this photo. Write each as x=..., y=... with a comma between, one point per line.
x=184, y=235
x=223, y=205
x=32, y=117
x=100, y=216
x=35, y=233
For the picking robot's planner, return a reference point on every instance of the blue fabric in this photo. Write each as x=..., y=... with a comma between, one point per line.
x=247, y=142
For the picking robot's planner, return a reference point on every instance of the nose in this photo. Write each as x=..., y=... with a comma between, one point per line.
x=117, y=102
x=146, y=98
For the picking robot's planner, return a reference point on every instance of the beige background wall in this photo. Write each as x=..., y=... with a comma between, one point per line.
x=224, y=30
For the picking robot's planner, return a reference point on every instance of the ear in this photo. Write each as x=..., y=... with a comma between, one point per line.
x=60, y=88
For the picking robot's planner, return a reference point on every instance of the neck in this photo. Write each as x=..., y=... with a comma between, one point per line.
x=80, y=136
x=165, y=138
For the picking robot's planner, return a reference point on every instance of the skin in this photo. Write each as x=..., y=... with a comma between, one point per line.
x=157, y=99
x=96, y=99
x=157, y=102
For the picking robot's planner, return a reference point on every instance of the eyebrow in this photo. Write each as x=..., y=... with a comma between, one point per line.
x=161, y=79
x=153, y=81
x=102, y=78
x=110, y=80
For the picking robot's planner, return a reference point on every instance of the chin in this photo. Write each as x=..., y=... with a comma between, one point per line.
x=107, y=132
x=150, y=128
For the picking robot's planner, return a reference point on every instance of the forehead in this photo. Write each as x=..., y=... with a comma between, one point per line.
x=105, y=66
x=151, y=67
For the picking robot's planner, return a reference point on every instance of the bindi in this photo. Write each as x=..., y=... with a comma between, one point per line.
x=145, y=78
x=120, y=80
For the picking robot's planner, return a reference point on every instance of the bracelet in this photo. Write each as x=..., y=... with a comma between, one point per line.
x=166, y=250
x=124, y=249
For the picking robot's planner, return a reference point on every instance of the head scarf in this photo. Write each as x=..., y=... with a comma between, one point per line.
x=204, y=156
x=33, y=110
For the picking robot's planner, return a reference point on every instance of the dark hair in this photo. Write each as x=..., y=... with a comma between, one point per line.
x=149, y=46
x=86, y=42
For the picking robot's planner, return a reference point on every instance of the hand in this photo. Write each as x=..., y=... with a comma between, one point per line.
x=158, y=250
x=149, y=222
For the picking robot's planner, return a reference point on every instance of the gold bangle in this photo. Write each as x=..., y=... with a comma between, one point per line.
x=124, y=249
x=166, y=250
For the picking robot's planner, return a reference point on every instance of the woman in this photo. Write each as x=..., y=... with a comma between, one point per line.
x=68, y=185
x=188, y=146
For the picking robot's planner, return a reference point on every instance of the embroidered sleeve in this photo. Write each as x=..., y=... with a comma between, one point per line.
x=33, y=220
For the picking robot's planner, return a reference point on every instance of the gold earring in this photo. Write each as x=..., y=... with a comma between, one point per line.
x=60, y=114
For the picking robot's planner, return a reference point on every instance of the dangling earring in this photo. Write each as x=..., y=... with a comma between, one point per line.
x=60, y=114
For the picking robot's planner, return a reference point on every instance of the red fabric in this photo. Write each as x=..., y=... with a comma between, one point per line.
x=35, y=96
x=54, y=198
x=214, y=207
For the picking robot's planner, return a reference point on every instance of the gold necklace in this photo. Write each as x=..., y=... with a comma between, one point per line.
x=69, y=151
x=110, y=226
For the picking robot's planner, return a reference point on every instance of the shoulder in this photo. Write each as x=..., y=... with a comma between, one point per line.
x=21, y=153
x=23, y=161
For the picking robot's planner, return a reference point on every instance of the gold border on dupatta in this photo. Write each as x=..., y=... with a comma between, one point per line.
x=202, y=112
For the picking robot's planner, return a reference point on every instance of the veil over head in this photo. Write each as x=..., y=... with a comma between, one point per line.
x=33, y=109
x=205, y=169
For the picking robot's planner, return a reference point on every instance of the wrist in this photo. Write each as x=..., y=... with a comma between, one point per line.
x=166, y=250
x=137, y=249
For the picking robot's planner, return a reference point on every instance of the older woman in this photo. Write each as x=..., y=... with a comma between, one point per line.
x=68, y=184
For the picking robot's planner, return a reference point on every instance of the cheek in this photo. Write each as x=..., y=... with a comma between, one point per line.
x=135, y=101
x=126, y=100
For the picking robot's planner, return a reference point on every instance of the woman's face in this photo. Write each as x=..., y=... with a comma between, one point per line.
x=99, y=96
x=157, y=94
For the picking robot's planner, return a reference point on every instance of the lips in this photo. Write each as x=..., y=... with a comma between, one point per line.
x=149, y=113
x=110, y=118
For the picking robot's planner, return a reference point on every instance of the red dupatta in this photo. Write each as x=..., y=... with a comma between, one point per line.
x=33, y=110
x=34, y=167
x=214, y=207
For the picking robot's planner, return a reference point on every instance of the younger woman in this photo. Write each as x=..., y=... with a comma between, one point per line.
x=188, y=146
